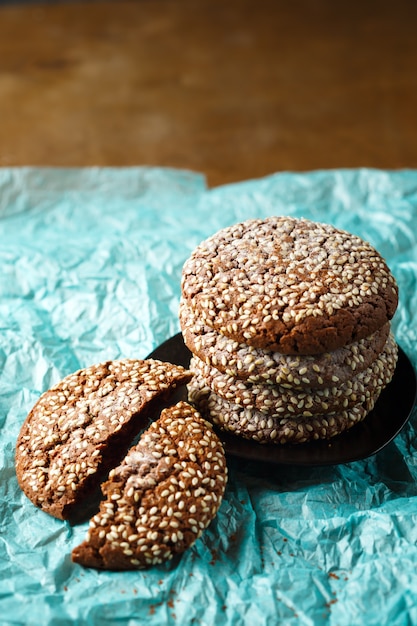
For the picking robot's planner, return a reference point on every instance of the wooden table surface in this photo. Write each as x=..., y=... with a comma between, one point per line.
x=235, y=89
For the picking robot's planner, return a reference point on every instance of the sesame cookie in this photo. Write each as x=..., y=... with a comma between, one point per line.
x=255, y=365
x=287, y=401
x=274, y=429
x=82, y=426
x=162, y=496
x=290, y=415
x=289, y=285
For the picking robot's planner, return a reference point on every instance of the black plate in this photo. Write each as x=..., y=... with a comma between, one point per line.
x=390, y=414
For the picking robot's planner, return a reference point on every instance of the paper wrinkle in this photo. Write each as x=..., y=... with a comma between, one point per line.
x=91, y=266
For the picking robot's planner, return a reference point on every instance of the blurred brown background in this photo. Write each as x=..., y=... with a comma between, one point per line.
x=234, y=89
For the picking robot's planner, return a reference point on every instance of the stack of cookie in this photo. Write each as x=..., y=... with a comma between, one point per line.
x=288, y=323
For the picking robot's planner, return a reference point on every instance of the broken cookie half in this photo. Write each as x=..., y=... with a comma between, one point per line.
x=161, y=497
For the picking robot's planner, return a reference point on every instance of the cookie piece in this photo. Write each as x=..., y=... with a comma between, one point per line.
x=261, y=366
x=287, y=401
x=289, y=285
x=82, y=426
x=162, y=496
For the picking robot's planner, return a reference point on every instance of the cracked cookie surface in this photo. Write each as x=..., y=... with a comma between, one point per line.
x=82, y=426
x=289, y=285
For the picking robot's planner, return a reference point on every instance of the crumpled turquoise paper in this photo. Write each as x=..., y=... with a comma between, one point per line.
x=90, y=270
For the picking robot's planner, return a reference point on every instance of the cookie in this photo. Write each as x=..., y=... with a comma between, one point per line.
x=255, y=365
x=82, y=426
x=294, y=417
x=287, y=401
x=162, y=496
x=274, y=429
x=289, y=285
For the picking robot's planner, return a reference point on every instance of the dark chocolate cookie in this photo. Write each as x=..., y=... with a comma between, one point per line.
x=261, y=366
x=274, y=429
x=82, y=426
x=162, y=496
x=287, y=401
x=289, y=285
x=294, y=417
